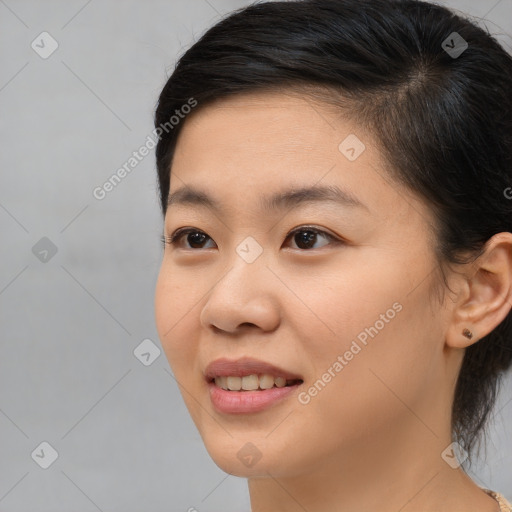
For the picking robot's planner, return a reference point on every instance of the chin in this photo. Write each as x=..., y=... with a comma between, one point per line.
x=250, y=456
x=237, y=455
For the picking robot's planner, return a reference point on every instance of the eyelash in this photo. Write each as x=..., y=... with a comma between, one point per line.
x=179, y=233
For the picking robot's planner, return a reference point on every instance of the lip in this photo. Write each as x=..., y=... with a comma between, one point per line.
x=245, y=402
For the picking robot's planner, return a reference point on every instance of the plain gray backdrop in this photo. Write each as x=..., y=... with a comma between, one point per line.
x=77, y=273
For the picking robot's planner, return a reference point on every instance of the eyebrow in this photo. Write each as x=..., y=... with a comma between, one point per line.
x=284, y=200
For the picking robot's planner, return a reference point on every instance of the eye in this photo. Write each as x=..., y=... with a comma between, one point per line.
x=304, y=237
x=194, y=237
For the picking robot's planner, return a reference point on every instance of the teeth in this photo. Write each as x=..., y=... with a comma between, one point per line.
x=250, y=382
x=266, y=381
x=234, y=383
x=280, y=382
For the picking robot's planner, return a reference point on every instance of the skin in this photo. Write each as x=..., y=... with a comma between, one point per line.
x=372, y=438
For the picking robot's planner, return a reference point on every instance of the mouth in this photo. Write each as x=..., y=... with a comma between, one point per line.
x=253, y=382
x=248, y=385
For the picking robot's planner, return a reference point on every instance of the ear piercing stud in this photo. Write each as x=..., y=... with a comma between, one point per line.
x=467, y=333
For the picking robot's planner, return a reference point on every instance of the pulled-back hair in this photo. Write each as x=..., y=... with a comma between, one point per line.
x=442, y=121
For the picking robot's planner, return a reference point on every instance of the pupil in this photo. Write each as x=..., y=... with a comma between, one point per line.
x=310, y=236
x=197, y=238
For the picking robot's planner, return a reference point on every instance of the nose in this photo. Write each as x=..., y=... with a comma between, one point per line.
x=245, y=296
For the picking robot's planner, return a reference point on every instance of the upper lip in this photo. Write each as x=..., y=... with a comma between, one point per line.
x=245, y=366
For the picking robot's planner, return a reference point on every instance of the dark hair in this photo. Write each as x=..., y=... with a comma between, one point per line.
x=442, y=121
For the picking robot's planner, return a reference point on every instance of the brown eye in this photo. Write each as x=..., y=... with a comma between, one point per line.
x=194, y=237
x=306, y=236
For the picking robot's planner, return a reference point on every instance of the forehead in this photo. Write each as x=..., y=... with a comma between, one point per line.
x=249, y=146
x=279, y=118
x=268, y=133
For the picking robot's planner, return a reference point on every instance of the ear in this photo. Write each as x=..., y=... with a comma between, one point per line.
x=486, y=296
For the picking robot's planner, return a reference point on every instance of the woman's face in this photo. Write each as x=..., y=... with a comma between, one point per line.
x=347, y=311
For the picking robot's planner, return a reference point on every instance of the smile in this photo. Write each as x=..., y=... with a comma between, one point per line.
x=248, y=385
x=252, y=382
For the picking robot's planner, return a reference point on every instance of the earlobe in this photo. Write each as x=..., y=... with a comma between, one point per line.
x=488, y=297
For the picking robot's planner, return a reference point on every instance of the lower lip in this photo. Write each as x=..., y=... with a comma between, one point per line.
x=243, y=402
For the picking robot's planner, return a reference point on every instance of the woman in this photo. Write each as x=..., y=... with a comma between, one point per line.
x=336, y=287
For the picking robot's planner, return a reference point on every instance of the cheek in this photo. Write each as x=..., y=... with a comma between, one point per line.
x=174, y=307
x=363, y=321
x=335, y=307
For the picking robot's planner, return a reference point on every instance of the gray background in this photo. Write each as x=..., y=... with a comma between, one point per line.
x=69, y=324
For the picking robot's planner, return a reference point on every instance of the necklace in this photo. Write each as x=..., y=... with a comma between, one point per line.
x=502, y=502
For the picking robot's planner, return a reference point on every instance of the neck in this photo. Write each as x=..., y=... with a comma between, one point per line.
x=388, y=475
